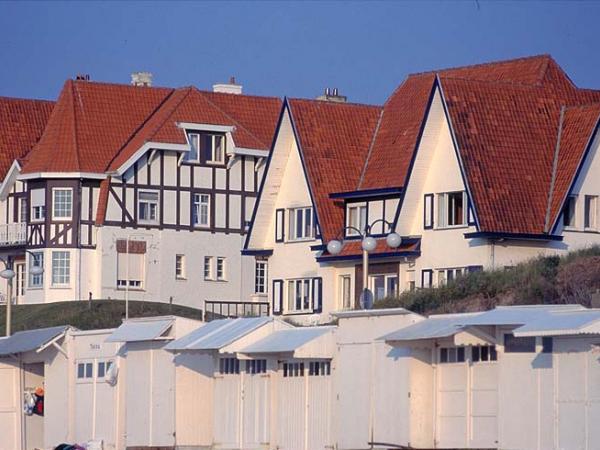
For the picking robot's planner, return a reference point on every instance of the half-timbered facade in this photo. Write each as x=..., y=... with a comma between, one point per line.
x=475, y=168
x=142, y=192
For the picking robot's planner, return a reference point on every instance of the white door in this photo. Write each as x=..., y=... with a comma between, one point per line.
x=255, y=410
x=227, y=410
x=10, y=406
x=451, y=405
x=291, y=412
x=484, y=405
x=19, y=287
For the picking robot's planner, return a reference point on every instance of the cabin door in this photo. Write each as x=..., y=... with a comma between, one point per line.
x=33, y=424
x=10, y=405
x=255, y=412
x=228, y=404
x=451, y=399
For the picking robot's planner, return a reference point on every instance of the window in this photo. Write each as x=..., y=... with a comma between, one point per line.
x=180, y=267
x=193, y=154
x=319, y=368
x=85, y=371
x=103, y=368
x=449, y=275
x=514, y=344
x=260, y=277
x=130, y=269
x=206, y=147
x=301, y=224
x=482, y=353
x=293, y=369
x=451, y=209
x=452, y=355
x=61, y=268
x=383, y=286
x=357, y=218
x=20, y=278
x=569, y=211
x=148, y=207
x=38, y=205
x=62, y=203
x=346, y=291
x=547, y=344
x=426, y=278
x=591, y=212
x=36, y=259
x=221, y=269
x=256, y=366
x=201, y=210
x=229, y=366
x=410, y=280
x=23, y=210
x=300, y=295
x=208, y=267
x=428, y=211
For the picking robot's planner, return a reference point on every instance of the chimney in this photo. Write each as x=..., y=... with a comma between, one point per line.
x=141, y=79
x=82, y=77
x=228, y=88
x=332, y=95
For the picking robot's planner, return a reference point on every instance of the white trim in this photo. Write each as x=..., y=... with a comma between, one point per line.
x=9, y=179
x=34, y=175
x=54, y=216
x=206, y=127
x=250, y=152
x=149, y=146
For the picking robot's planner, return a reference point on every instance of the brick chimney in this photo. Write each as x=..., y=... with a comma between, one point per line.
x=141, y=79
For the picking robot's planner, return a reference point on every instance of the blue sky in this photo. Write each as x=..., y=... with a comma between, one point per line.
x=296, y=49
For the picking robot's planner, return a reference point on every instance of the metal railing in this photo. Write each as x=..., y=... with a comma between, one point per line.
x=13, y=234
x=224, y=309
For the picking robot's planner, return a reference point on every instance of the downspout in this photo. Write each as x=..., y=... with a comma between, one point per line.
x=554, y=169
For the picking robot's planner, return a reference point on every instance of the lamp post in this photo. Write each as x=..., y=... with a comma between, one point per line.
x=368, y=244
x=8, y=274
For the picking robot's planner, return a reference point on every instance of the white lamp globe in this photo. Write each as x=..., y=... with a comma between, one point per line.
x=369, y=243
x=36, y=270
x=334, y=247
x=393, y=240
x=7, y=274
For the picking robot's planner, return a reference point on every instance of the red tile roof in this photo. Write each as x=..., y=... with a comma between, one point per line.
x=335, y=140
x=22, y=122
x=97, y=126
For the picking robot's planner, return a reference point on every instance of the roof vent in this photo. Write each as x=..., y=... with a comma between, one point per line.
x=141, y=79
x=332, y=95
x=228, y=88
x=82, y=77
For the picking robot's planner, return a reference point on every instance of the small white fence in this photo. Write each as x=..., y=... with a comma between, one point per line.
x=12, y=234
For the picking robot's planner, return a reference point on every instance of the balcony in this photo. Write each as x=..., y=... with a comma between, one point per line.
x=223, y=309
x=13, y=234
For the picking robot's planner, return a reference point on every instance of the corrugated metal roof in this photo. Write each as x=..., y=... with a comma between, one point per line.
x=25, y=341
x=218, y=333
x=432, y=328
x=140, y=330
x=518, y=315
x=284, y=341
x=562, y=323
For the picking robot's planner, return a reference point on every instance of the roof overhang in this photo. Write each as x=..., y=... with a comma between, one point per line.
x=498, y=235
x=87, y=175
x=257, y=153
x=10, y=178
x=143, y=330
x=367, y=193
x=147, y=147
x=206, y=127
x=257, y=252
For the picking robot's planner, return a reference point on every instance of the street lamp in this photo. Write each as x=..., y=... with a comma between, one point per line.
x=368, y=244
x=8, y=274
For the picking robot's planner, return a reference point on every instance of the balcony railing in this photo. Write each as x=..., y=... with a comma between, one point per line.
x=13, y=234
x=223, y=309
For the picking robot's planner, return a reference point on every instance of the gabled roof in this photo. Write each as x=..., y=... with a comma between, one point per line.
x=95, y=127
x=22, y=123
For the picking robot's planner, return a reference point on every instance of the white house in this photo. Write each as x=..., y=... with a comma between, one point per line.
x=140, y=192
x=478, y=167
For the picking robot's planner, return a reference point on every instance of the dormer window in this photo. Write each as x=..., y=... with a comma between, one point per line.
x=206, y=148
x=452, y=210
x=356, y=217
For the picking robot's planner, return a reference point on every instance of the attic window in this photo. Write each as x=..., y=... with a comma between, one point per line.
x=569, y=211
x=206, y=148
x=452, y=209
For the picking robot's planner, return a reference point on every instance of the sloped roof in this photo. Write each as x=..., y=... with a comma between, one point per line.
x=22, y=123
x=286, y=341
x=25, y=341
x=96, y=126
x=140, y=330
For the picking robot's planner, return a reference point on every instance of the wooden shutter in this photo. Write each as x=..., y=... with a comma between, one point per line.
x=277, y=297
x=428, y=211
x=317, y=293
x=279, y=225
x=426, y=278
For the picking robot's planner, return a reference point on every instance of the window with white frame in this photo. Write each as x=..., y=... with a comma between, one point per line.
x=591, y=212
x=483, y=353
x=383, y=286
x=102, y=368
x=260, y=277
x=452, y=355
x=201, y=210
x=85, y=371
x=61, y=268
x=208, y=263
x=410, y=280
x=62, y=203
x=300, y=295
x=180, y=267
x=130, y=270
x=229, y=366
x=449, y=275
x=23, y=210
x=38, y=205
x=194, y=153
x=319, y=368
x=569, y=212
x=221, y=274
x=346, y=292
x=148, y=207
x=301, y=224
x=356, y=217
x=452, y=209
x=206, y=147
x=36, y=259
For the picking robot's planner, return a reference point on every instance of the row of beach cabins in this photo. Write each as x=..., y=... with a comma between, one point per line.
x=519, y=377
